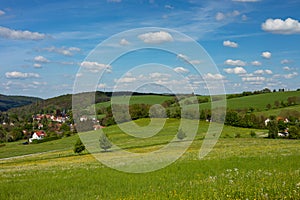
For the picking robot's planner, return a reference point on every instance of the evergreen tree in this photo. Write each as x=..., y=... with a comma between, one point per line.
x=181, y=135
x=104, y=142
x=79, y=146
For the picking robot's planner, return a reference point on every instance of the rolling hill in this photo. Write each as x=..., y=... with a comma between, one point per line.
x=8, y=102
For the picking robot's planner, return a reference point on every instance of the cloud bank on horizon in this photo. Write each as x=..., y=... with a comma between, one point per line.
x=44, y=44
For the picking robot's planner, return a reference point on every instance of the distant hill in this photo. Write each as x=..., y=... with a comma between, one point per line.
x=63, y=103
x=8, y=102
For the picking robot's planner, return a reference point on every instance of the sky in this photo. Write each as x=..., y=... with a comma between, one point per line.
x=47, y=47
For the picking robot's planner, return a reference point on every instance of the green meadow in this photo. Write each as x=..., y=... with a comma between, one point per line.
x=237, y=168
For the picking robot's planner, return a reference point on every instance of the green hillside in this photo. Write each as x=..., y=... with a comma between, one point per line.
x=258, y=102
x=137, y=99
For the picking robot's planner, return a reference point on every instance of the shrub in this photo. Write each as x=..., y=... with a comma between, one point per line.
x=238, y=135
x=252, y=134
x=181, y=134
x=294, y=133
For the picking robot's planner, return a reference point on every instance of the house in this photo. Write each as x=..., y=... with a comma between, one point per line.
x=97, y=127
x=38, y=135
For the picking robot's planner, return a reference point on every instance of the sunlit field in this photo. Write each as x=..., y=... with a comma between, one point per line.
x=237, y=168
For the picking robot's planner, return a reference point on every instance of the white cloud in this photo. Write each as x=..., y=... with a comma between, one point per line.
x=286, y=68
x=95, y=67
x=246, y=1
x=63, y=50
x=2, y=12
x=266, y=54
x=183, y=57
x=285, y=61
x=256, y=63
x=41, y=59
x=21, y=75
x=169, y=7
x=267, y=71
x=279, y=26
x=261, y=71
x=114, y=1
x=187, y=59
x=37, y=65
x=210, y=76
x=236, y=70
x=220, y=16
x=181, y=70
x=156, y=37
x=124, y=42
x=102, y=86
x=194, y=62
x=289, y=76
x=254, y=78
x=244, y=17
x=126, y=80
x=228, y=43
x=20, y=35
x=231, y=62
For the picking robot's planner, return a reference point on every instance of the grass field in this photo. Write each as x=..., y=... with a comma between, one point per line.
x=258, y=102
x=144, y=99
x=237, y=168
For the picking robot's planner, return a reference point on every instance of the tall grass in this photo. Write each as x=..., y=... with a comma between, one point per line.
x=236, y=169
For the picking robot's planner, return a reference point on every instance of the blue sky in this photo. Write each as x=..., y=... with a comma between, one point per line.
x=44, y=44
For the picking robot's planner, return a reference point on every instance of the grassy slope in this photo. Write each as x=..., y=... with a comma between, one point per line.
x=120, y=138
x=252, y=168
x=258, y=102
x=147, y=99
x=277, y=112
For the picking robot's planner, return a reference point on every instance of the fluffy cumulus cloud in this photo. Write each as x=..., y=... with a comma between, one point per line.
x=126, y=80
x=40, y=59
x=222, y=16
x=63, y=50
x=37, y=65
x=266, y=54
x=20, y=35
x=254, y=78
x=285, y=61
x=156, y=37
x=95, y=67
x=2, y=12
x=256, y=63
x=261, y=71
x=181, y=70
x=279, y=26
x=124, y=42
x=187, y=59
x=102, y=86
x=246, y=1
x=21, y=75
x=291, y=75
x=212, y=77
x=287, y=68
x=114, y=1
x=231, y=44
x=236, y=70
x=231, y=62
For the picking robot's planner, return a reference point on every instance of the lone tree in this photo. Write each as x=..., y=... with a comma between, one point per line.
x=181, y=134
x=104, y=142
x=79, y=146
x=273, y=128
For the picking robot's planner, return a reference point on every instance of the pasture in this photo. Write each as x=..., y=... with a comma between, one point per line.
x=237, y=168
